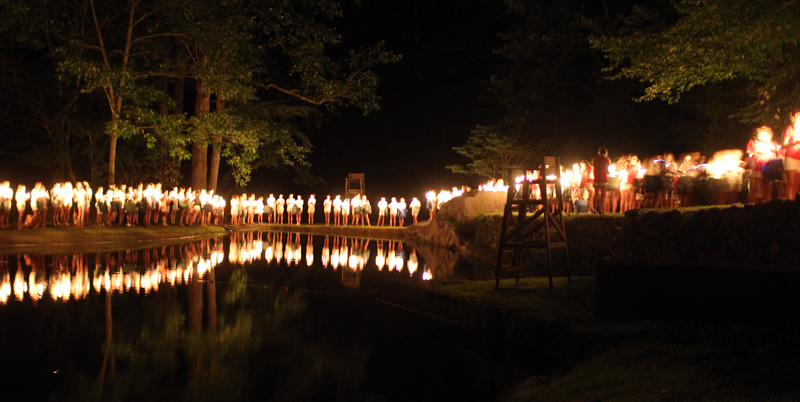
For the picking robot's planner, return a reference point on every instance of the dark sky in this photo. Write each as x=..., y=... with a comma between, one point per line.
x=431, y=99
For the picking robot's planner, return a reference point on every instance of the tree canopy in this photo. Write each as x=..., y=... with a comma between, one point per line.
x=268, y=68
x=490, y=154
x=676, y=47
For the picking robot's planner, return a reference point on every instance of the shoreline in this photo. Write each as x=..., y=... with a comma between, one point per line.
x=70, y=239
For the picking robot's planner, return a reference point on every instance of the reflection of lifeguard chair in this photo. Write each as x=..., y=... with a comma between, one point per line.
x=354, y=184
x=351, y=278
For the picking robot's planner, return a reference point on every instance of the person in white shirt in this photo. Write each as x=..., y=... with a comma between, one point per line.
x=366, y=210
x=430, y=196
x=401, y=211
x=270, y=208
x=234, y=209
x=326, y=207
x=260, y=209
x=42, y=200
x=21, y=197
x=279, y=205
x=393, y=212
x=355, y=204
x=312, y=207
x=345, y=210
x=80, y=205
x=67, y=201
x=158, y=199
x=298, y=208
x=55, y=197
x=415, y=206
x=382, y=206
x=337, y=211
x=147, y=199
x=6, y=194
x=290, y=208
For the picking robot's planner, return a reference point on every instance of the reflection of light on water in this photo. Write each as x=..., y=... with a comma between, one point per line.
x=426, y=275
x=398, y=263
x=380, y=260
x=20, y=287
x=390, y=260
x=309, y=255
x=335, y=258
x=343, y=254
x=413, y=263
x=5, y=287
x=269, y=253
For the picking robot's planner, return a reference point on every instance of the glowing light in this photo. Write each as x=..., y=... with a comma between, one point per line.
x=426, y=275
x=724, y=162
x=413, y=263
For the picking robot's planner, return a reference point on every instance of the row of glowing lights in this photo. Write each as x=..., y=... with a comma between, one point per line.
x=333, y=257
x=723, y=163
x=62, y=285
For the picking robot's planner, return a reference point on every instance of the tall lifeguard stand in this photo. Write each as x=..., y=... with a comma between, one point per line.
x=354, y=184
x=540, y=195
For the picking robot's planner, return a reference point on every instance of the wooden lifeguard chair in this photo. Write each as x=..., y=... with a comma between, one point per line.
x=544, y=229
x=354, y=184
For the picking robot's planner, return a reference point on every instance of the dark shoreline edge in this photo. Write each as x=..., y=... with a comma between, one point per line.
x=70, y=239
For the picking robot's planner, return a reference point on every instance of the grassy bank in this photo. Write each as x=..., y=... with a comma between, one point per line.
x=70, y=239
x=643, y=360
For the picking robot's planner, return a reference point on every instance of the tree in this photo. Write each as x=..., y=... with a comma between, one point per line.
x=553, y=88
x=675, y=48
x=110, y=48
x=491, y=153
x=282, y=58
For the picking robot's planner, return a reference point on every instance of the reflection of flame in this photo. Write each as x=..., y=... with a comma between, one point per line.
x=335, y=258
x=390, y=260
x=413, y=263
x=20, y=287
x=309, y=256
x=380, y=261
x=426, y=275
x=5, y=286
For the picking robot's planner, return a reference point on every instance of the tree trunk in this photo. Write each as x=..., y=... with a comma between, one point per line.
x=211, y=292
x=112, y=153
x=216, y=148
x=195, y=325
x=195, y=301
x=200, y=147
x=109, y=362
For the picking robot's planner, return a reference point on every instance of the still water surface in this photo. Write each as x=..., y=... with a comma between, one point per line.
x=253, y=316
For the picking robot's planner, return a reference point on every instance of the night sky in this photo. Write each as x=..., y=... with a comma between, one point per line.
x=431, y=99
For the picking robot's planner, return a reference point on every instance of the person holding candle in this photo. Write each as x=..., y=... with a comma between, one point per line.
x=600, y=165
x=791, y=145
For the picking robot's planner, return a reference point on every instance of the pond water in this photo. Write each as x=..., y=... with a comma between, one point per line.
x=252, y=316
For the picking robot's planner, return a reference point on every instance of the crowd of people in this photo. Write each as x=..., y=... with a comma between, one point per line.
x=765, y=170
x=145, y=205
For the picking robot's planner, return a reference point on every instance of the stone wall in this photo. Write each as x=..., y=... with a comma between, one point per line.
x=474, y=203
x=750, y=235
